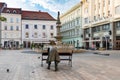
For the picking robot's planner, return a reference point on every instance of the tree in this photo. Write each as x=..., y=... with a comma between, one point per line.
x=2, y=18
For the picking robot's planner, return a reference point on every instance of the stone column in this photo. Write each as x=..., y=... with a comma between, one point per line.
x=101, y=43
x=113, y=37
x=84, y=38
x=90, y=37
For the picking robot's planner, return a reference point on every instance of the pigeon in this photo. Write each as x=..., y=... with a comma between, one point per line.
x=7, y=70
x=38, y=57
x=32, y=71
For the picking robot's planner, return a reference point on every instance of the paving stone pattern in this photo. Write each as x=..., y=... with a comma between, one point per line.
x=25, y=65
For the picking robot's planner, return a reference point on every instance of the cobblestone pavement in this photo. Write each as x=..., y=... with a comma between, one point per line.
x=25, y=65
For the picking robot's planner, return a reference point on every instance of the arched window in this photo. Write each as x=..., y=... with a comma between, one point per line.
x=8, y=11
x=14, y=11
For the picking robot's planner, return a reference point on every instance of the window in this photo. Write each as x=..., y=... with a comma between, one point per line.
x=17, y=28
x=103, y=2
x=44, y=35
x=106, y=27
x=5, y=35
x=8, y=11
x=103, y=14
x=108, y=13
x=86, y=10
x=51, y=27
x=14, y=11
x=35, y=26
x=98, y=16
x=26, y=35
x=35, y=35
x=95, y=7
x=5, y=27
x=77, y=31
x=26, y=26
x=109, y=2
x=77, y=21
x=117, y=10
x=86, y=20
x=17, y=20
x=118, y=25
x=51, y=35
x=11, y=20
x=11, y=28
x=99, y=5
x=43, y=26
x=95, y=18
x=96, y=29
x=87, y=30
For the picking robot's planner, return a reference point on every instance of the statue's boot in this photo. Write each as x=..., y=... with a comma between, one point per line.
x=49, y=63
x=56, y=65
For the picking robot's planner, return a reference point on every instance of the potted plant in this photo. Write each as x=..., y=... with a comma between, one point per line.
x=32, y=46
x=21, y=46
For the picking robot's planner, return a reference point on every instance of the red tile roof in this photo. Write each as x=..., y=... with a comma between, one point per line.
x=12, y=10
x=36, y=15
x=1, y=5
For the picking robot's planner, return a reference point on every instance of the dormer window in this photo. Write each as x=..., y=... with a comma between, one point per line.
x=8, y=11
x=14, y=11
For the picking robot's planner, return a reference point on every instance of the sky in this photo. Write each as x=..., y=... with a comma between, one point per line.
x=50, y=6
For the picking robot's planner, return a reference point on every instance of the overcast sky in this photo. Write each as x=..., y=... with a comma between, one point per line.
x=50, y=6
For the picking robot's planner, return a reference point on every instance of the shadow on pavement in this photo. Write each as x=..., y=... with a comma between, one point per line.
x=29, y=52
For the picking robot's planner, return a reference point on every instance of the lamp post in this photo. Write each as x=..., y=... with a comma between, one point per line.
x=106, y=41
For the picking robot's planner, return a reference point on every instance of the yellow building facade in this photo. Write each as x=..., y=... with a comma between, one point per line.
x=101, y=23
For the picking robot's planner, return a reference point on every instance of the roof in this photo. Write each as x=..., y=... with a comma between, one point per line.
x=36, y=15
x=12, y=10
x=1, y=5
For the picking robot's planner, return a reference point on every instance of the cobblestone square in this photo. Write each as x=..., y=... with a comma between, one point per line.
x=25, y=65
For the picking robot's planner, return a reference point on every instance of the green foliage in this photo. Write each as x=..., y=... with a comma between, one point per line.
x=2, y=18
x=32, y=45
x=21, y=45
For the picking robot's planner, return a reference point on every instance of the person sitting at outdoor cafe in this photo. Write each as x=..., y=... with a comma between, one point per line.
x=53, y=56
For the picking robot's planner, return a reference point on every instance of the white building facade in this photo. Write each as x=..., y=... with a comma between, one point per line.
x=37, y=30
x=11, y=29
x=22, y=28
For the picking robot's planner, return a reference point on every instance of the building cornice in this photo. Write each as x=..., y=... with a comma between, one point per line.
x=71, y=10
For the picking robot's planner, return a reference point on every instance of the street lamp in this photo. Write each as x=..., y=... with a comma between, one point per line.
x=106, y=41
